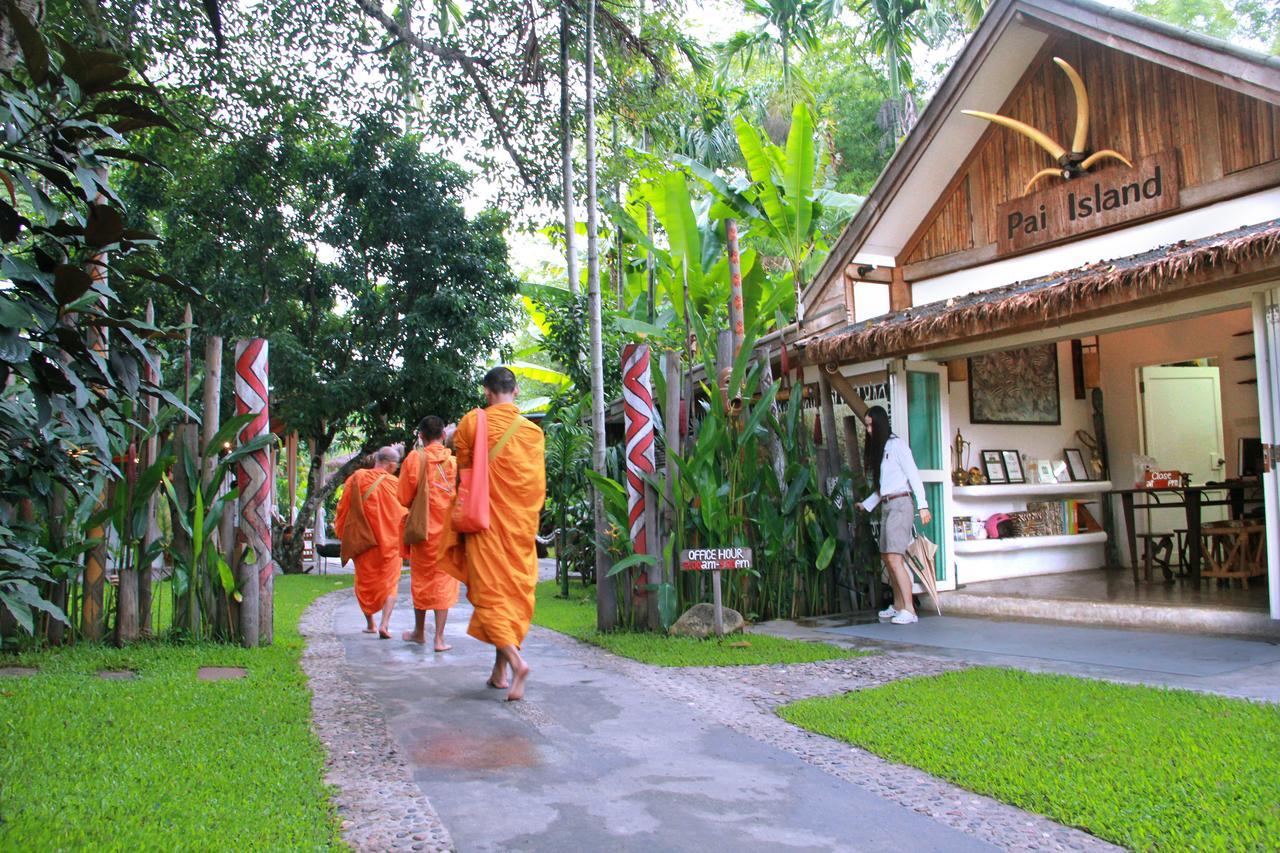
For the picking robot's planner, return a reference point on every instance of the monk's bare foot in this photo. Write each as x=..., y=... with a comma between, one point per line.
x=442, y=646
x=384, y=634
x=370, y=630
x=497, y=685
x=410, y=637
x=517, y=684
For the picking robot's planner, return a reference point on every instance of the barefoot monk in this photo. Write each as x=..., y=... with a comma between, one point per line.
x=500, y=565
x=432, y=588
x=377, y=569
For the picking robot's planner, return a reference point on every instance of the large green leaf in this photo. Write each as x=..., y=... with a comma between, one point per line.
x=798, y=176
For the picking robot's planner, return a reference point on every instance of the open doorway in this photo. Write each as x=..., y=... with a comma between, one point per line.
x=1180, y=406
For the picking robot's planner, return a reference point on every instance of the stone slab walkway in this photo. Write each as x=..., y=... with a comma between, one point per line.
x=607, y=753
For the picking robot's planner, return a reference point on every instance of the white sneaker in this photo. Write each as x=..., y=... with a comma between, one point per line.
x=888, y=613
x=904, y=617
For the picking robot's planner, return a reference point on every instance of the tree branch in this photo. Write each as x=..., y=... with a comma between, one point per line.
x=469, y=66
x=392, y=26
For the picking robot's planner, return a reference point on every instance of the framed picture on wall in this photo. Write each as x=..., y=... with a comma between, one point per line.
x=1015, y=387
x=1013, y=466
x=993, y=467
x=1076, y=467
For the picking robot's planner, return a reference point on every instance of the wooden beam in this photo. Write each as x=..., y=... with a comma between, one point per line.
x=844, y=388
x=899, y=291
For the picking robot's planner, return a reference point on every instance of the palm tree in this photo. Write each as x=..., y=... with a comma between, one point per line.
x=894, y=27
x=785, y=26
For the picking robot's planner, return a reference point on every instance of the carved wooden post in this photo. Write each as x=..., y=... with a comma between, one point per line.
x=253, y=475
x=736, y=327
x=639, y=420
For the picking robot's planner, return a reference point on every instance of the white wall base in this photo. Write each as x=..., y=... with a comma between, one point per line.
x=1050, y=560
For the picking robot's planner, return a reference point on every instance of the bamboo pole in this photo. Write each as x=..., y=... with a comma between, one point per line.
x=212, y=414
x=291, y=472
x=566, y=159
x=151, y=454
x=671, y=418
x=606, y=600
x=186, y=613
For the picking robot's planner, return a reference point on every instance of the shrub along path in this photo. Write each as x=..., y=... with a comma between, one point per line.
x=611, y=753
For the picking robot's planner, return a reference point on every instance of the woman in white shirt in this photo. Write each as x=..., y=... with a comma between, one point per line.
x=896, y=478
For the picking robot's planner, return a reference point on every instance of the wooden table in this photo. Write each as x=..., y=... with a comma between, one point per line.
x=1192, y=498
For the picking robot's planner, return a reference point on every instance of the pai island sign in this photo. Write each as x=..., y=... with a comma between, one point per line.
x=1085, y=201
x=1094, y=201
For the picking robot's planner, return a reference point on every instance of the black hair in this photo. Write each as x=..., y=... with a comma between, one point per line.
x=431, y=428
x=500, y=380
x=877, y=437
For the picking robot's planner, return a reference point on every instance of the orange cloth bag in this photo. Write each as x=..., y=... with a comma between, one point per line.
x=471, y=506
x=358, y=536
x=415, y=528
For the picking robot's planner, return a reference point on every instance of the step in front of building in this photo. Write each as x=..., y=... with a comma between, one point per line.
x=1201, y=620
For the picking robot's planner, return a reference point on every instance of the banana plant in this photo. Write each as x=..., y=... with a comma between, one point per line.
x=205, y=568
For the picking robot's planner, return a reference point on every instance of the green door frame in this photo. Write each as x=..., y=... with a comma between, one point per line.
x=925, y=423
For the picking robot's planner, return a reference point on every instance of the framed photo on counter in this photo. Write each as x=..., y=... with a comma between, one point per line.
x=1076, y=467
x=993, y=466
x=1013, y=466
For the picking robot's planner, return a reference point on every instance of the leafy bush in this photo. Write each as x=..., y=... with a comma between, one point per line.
x=73, y=363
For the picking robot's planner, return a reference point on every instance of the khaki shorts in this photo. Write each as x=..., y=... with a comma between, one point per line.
x=897, y=520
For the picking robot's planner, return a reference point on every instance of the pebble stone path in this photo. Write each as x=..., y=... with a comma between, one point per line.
x=382, y=809
x=379, y=804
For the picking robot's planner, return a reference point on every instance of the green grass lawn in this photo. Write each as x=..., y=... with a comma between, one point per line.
x=576, y=617
x=1139, y=766
x=166, y=760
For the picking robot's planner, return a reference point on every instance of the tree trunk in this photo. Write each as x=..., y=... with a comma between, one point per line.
x=606, y=601
x=288, y=553
x=566, y=159
x=619, y=275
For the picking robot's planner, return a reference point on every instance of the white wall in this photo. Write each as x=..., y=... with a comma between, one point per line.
x=1036, y=442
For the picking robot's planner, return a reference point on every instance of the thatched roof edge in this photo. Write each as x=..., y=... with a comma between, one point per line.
x=1048, y=300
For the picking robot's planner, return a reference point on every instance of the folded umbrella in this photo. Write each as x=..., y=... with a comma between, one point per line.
x=919, y=557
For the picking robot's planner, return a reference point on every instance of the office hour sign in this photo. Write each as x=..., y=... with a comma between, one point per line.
x=715, y=559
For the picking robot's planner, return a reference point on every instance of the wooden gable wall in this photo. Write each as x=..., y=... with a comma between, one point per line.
x=1137, y=108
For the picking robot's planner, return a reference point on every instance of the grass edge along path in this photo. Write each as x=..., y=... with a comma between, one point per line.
x=576, y=617
x=165, y=759
x=1147, y=768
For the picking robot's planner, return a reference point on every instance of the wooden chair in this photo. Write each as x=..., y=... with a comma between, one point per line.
x=1234, y=550
x=1157, y=549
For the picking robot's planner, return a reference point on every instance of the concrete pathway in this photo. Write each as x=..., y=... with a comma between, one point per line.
x=1230, y=666
x=609, y=754
x=593, y=761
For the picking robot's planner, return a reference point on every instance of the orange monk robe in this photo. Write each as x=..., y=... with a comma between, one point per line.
x=500, y=565
x=432, y=588
x=378, y=569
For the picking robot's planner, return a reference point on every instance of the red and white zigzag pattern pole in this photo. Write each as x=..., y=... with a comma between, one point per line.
x=638, y=417
x=254, y=480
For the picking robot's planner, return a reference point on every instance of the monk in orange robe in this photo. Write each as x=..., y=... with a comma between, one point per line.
x=432, y=588
x=377, y=569
x=500, y=565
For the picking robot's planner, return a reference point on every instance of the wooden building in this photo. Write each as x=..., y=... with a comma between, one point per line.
x=1097, y=282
